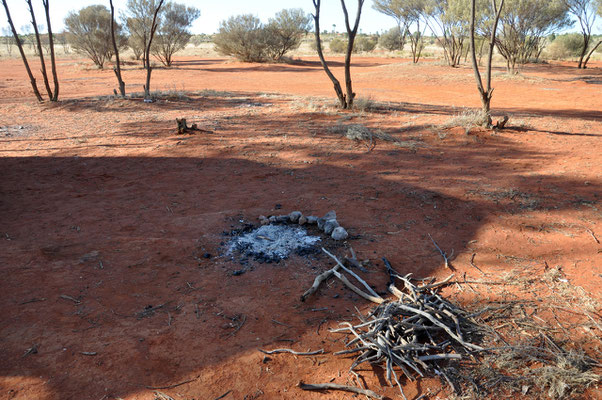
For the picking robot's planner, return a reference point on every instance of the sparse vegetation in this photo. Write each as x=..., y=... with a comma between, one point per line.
x=246, y=38
x=173, y=33
x=89, y=33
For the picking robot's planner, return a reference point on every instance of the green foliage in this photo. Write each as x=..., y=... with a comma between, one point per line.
x=524, y=26
x=364, y=44
x=172, y=33
x=565, y=46
x=89, y=33
x=285, y=31
x=246, y=38
x=138, y=20
x=392, y=40
x=243, y=37
x=338, y=45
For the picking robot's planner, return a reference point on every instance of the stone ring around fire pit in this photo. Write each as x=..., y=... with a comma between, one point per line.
x=328, y=223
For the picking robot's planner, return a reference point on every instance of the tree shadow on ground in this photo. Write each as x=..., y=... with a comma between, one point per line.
x=115, y=267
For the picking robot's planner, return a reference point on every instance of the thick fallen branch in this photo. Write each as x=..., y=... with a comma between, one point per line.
x=318, y=281
x=334, y=386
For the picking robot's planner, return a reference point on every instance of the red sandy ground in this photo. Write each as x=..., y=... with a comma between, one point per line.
x=104, y=211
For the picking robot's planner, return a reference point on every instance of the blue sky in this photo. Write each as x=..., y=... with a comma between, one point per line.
x=212, y=12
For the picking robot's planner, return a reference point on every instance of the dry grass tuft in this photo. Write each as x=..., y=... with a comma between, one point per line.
x=467, y=119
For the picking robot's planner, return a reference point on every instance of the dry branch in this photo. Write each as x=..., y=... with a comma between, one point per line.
x=297, y=353
x=334, y=386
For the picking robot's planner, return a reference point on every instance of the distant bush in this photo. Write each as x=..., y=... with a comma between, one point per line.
x=241, y=36
x=89, y=33
x=247, y=39
x=285, y=31
x=364, y=44
x=338, y=45
x=565, y=46
x=392, y=40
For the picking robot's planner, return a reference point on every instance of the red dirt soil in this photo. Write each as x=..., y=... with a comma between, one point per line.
x=106, y=212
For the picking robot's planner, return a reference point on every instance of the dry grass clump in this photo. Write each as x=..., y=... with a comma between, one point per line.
x=361, y=133
x=467, y=119
x=364, y=104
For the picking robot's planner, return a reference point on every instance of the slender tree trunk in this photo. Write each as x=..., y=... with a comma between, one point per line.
x=590, y=54
x=147, y=52
x=484, y=92
x=55, y=95
x=117, y=68
x=32, y=80
x=337, y=85
x=39, y=47
x=351, y=33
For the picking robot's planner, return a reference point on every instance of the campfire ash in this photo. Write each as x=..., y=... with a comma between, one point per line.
x=272, y=243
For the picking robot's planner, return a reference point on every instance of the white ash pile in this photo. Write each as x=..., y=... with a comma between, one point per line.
x=272, y=243
x=328, y=223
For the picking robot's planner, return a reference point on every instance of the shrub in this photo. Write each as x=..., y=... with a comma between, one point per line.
x=172, y=34
x=338, y=45
x=392, y=40
x=89, y=33
x=243, y=37
x=364, y=44
x=285, y=31
x=565, y=46
x=247, y=39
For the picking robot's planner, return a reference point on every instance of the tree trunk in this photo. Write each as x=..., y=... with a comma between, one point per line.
x=335, y=81
x=117, y=68
x=484, y=92
x=39, y=47
x=584, y=66
x=147, y=52
x=32, y=80
x=55, y=95
x=351, y=33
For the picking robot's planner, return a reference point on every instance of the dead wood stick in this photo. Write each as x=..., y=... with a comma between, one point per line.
x=360, y=280
x=593, y=235
x=223, y=395
x=343, y=278
x=436, y=284
x=318, y=281
x=65, y=297
x=441, y=325
x=435, y=357
x=281, y=323
x=443, y=254
x=297, y=353
x=171, y=386
x=475, y=265
x=334, y=386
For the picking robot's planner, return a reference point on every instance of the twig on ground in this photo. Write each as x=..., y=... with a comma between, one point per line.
x=223, y=395
x=65, y=297
x=334, y=386
x=443, y=254
x=474, y=265
x=172, y=386
x=297, y=353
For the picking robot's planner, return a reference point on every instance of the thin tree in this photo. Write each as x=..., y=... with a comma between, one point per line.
x=345, y=100
x=55, y=95
x=117, y=68
x=585, y=12
x=154, y=25
x=39, y=47
x=32, y=79
x=485, y=92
